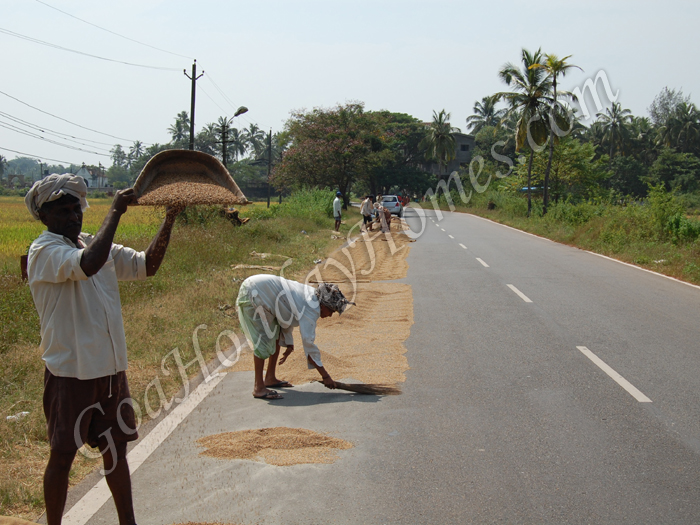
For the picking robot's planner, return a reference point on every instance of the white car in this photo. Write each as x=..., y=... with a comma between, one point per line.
x=393, y=204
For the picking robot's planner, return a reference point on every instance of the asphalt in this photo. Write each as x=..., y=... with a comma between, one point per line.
x=502, y=417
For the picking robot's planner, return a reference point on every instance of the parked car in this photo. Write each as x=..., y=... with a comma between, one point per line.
x=393, y=204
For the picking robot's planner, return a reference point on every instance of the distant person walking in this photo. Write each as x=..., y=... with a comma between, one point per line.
x=73, y=280
x=337, y=209
x=366, y=211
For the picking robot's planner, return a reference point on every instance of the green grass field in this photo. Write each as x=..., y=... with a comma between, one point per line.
x=195, y=286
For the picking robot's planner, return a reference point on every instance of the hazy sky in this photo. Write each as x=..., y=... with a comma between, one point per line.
x=410, y=56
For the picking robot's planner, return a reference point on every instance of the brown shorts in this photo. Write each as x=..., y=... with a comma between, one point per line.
x=69, y=410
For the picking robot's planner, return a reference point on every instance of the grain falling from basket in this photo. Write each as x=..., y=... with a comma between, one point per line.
x=281, y=446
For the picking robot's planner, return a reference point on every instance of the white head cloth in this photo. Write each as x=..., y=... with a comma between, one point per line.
x=54, y=187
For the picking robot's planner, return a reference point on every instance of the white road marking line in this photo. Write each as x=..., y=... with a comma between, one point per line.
x=98, y=495
x=450, y=236
x=462, y=245
x=519, y=293
x=483, y=263
x=511, y=228
x=438, y=226
x=643, y=269
x=592, y=253
x=614, y=375
x=443, y=229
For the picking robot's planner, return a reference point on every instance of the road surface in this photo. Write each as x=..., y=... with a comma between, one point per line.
x=547, y=385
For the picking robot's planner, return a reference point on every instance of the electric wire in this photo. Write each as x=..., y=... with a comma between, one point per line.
x=50, y=131
x=36, y=156
x=68, y=121
x=53, y=141
x=112, y=32
x=56, y=46
x=230, y=102
x=210, y=98
x=38, y=136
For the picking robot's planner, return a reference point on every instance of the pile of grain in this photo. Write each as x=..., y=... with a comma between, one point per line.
x=186, y=190
x=281, y=446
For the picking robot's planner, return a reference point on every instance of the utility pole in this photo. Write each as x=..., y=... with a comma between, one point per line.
x=269, y=165
x=224, y=136
x=194, y=79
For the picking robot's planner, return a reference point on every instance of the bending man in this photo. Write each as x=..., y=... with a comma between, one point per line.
x=269, y=307
x=73, y=279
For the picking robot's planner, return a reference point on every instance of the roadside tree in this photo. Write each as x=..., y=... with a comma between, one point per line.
x=554, y=66
x=329, y=148
x=530, y=98
x=439, y=144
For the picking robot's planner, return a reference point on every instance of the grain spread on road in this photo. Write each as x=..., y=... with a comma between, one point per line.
x=280, y=446
x=365, y=343
x=186, y=190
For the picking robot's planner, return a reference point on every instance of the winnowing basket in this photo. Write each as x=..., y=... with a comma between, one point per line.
x=178, y=177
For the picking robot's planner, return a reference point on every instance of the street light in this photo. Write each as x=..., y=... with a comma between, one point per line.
x=224, y=131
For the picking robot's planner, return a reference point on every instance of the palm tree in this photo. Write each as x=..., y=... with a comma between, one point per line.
x=644, y=144
x=135, y=151
x=255, y=138
x=485, y=114
x=237, y=141
x=439, y=144
x=554, y=66
x=682, y=129
x=531, y=96
x=180, y=131
x=615, y=123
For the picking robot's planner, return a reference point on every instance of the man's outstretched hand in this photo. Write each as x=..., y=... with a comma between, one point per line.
x=122, y=199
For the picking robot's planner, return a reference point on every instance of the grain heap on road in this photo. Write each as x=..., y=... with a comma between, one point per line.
x=281, y=446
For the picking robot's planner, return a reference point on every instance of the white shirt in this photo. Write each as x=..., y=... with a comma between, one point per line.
x=337, y=207
x=366, y=208
x=292, y=304
x=82, y=332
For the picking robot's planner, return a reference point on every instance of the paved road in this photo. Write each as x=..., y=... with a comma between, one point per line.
x=505, y=416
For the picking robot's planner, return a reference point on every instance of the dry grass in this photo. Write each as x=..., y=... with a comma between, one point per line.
x=280, y=446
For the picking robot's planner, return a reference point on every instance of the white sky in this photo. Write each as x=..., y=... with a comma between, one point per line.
x=410, y=56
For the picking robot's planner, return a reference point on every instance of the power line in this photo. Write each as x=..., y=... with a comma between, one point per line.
x=50, y=131
x=233, y=106
x=34, y=135
x=68, y=121
x=55, y=46
x=37, y=157
x=112, y=32
x=214, y=101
